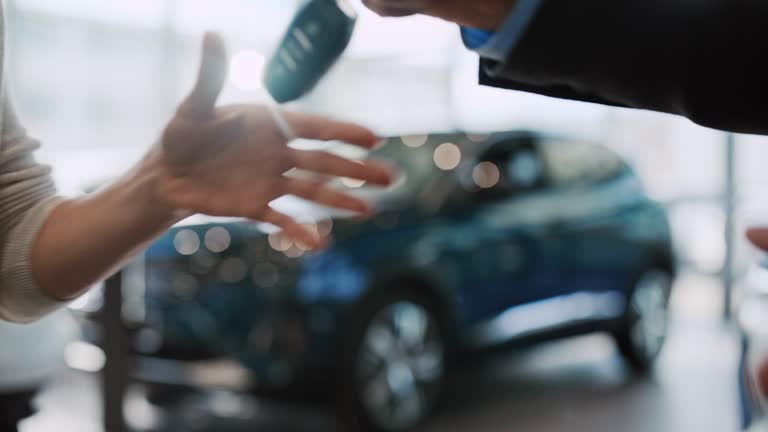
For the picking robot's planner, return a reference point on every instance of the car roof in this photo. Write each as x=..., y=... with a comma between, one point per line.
x=481, y=141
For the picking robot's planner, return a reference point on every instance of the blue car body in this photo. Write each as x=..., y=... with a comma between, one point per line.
x=526, y=236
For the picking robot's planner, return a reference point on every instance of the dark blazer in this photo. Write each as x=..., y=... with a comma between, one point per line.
x=703, y=59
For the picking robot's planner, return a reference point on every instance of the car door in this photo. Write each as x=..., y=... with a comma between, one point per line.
x=590, y=195
x=501, y=256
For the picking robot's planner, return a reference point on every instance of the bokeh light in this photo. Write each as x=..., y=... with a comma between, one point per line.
x=203, y=262
x=148, y=340
x=447, y=156
x=325, y=227
x=478, y=137
x=217, y=239
x=294, y=252
x=352, y=183
x=525, y=169
x=415, y=140
x=280, y=242
x=185, y=287
x=187, y=242
x=311, y=227
x=265, y=275
x=85, y=357
x=486, y=175
x=233, y=270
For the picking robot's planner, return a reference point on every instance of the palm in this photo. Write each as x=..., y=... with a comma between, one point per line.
x=231, y=161
x=482, y=14
x=202, y=167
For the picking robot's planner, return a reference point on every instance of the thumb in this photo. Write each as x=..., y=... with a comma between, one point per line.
x=210, y=80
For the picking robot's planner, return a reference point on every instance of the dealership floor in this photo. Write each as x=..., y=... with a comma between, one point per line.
x=574, y=385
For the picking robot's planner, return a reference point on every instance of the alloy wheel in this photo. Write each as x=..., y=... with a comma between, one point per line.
x=649, y=306
x=400, y=365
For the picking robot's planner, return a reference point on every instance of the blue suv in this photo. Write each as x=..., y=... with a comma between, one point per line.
x=486, y=240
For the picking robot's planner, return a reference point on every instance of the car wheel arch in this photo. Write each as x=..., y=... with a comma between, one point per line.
x=387, y=291
x=664, y=260
x=656, y=261
x=445, y=307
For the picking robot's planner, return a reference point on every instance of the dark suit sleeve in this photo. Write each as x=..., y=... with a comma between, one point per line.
x=703, y=59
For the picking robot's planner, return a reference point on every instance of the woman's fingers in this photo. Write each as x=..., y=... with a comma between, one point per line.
x=291, y=228
x=326, y=163
x=320, y=128
x=324, y=195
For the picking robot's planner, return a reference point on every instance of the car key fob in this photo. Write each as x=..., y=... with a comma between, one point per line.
x=315, y=40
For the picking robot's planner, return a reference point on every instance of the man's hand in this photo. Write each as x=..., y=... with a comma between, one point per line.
x=762, y=378
x=480, y=14
x=231, y=161
x=758, y=237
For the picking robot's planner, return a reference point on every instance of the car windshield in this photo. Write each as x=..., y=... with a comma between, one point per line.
x=424, y=164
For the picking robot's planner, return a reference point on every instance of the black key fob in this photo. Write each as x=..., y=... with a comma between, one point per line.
x=315, y=40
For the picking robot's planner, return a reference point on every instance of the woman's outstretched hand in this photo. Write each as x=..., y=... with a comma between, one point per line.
x=221, y=161
x=231, y=160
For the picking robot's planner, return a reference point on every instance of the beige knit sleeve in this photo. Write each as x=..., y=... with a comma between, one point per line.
x=27, y=197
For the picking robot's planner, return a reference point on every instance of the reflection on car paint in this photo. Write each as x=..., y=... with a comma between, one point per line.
x=545, y=315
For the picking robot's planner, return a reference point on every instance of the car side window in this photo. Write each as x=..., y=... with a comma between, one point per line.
x=573, y=163
x=508, y=169
x=523, y=170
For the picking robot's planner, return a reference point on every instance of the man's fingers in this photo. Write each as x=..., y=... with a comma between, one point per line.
x=392, y=12
x=762, y=377
x=291, y=228
x=210, y=80
x=326, y=163
x=395, y=8
x=324, y=195
x=322, y=129
x=758, y=237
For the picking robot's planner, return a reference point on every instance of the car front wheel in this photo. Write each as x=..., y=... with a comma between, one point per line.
x=645, y=324
x=397, y=365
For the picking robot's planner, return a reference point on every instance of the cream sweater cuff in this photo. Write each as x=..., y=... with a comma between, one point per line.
x=21, y=299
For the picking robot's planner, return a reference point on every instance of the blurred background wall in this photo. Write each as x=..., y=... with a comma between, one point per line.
x=95, y=81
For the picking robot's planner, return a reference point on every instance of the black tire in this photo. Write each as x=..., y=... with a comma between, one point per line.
x=374, y=372
x=166, y=395
x=643, y=329
x=16, y=407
